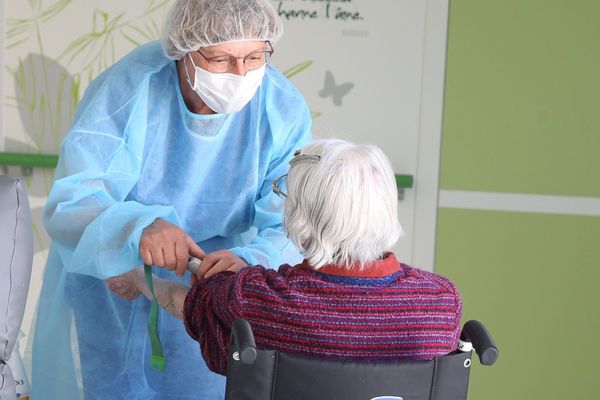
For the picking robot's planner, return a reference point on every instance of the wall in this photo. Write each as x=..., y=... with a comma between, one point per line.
x=519, y=225
x=52, y=50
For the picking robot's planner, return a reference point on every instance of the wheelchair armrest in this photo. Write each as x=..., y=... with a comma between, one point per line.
x=474, y=332
x=242, y=341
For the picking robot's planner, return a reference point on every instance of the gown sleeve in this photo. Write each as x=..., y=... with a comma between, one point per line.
x=271, y=247
x=96, y=231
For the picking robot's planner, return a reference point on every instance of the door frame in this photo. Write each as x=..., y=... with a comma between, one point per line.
x=426, y=184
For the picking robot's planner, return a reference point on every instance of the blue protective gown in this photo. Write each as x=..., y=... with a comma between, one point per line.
x=136, y=153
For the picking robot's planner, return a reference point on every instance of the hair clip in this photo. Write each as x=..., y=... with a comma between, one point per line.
x=300, y=157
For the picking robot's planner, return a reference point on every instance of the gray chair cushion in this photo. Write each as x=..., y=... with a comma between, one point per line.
x=16, y=257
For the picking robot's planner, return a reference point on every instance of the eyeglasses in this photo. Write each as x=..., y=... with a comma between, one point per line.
x=252, y=61
x=280, y=186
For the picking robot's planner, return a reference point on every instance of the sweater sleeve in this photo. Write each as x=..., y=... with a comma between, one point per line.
x=209, y=310
x=449, y=287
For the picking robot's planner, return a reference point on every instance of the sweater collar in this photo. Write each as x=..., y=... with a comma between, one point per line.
x=375, y=269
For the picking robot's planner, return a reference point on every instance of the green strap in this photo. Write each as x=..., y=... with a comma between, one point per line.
x=158, y=359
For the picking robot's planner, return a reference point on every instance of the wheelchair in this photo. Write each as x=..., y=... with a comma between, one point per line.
x=271, y=375
x=16, y=258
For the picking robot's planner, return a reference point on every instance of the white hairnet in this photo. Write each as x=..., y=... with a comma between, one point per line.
x=192, y=24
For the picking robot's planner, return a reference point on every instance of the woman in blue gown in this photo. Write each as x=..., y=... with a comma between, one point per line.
x=171, y=154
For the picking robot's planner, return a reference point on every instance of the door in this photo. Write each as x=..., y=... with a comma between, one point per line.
x=372, y=72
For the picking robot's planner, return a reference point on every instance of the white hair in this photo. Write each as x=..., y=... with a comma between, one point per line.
x=341, y=208
x=193, y=24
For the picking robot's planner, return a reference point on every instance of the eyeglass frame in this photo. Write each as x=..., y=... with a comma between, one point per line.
x=276, y=188
x=234, y=60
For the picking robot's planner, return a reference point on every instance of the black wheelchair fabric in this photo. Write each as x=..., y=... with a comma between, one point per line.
x=278, y=376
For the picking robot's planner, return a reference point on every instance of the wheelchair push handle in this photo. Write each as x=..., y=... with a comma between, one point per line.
x=474, y=332
x=242, y=340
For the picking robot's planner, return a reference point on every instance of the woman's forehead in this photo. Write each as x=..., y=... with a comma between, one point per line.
x=236, y=48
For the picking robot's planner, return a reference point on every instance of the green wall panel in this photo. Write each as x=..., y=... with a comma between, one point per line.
x=522, y=108
x=533, y=280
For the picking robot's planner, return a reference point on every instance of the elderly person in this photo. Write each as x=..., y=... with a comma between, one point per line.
x=350, y=299
x=171, y=154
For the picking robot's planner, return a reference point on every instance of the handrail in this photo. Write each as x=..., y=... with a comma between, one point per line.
x=404, y=181
x=50, y=161
x=29, y=160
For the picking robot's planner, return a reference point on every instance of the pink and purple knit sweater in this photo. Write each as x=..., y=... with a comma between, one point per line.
x=390, y=311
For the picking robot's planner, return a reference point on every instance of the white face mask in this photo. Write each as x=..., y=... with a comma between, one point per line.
x=226, y=93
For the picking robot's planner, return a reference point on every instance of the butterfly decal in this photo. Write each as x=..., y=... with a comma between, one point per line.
x=337, y=92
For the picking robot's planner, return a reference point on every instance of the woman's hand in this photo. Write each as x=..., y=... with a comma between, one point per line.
x=126, y=285
x=165, y=245
x=169, y=295
x=219, y=261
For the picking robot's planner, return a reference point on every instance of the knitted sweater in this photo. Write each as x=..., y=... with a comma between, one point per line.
x=389, y=311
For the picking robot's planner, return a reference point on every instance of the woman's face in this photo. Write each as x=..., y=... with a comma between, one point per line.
x=236, y=57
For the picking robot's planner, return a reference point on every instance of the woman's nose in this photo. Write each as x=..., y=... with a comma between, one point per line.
x=239, y=68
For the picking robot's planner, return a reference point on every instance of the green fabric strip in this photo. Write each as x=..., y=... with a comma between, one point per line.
x=158, y=359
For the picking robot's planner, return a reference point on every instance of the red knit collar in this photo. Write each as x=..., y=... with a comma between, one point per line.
x=376, y=269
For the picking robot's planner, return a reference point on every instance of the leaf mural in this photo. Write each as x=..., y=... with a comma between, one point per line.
x=95, y=50
x=46, y=96
x=47, y=89
x=149, y=29
x=39, y=96
x=295, y=70
x=22, y=29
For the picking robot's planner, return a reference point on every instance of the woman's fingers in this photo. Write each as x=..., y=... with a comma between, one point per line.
x=235, y=267
x=195, y=250
x=146, y=255
x=181, y=255
x=221, y=265
x=169, y=256
x=219, y=261
x=157, y=256
x=165, y=245
x=124, y=286
x=207, y=263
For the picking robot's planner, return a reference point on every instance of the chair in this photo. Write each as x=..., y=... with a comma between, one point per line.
x=16, y=257
x=266, y=374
